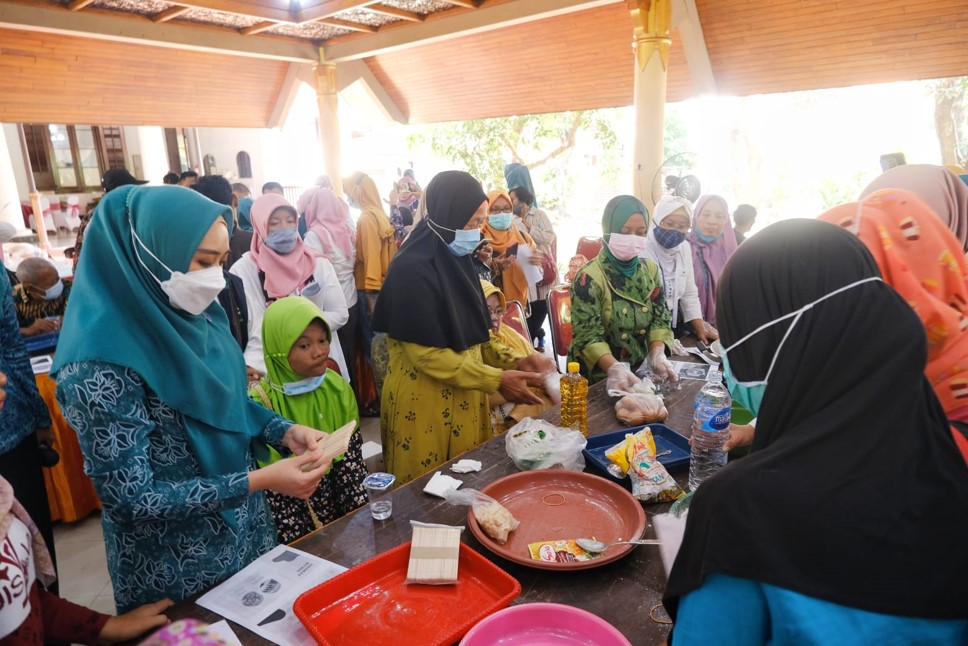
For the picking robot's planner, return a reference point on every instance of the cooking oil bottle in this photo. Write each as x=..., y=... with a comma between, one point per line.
x=574, y=400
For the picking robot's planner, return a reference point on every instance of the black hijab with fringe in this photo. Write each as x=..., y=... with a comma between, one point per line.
x=854, y=491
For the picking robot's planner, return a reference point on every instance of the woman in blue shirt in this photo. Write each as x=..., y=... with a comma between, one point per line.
x=152, y=380
x=848, y=521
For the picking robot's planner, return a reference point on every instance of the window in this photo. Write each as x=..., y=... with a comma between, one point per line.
x=177, y=150
x=67, y=158
x=244, y=163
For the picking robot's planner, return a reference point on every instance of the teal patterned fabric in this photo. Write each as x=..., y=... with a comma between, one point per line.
x=165, y=529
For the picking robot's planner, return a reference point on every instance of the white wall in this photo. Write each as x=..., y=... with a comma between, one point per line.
x=9, y=192
x=148, y=149
x=225, y=143
x=16, y=158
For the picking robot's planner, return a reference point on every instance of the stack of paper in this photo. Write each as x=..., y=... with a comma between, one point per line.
x=434, y=554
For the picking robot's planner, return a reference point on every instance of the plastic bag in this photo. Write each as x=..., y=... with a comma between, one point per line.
x=496, y=521
x=638, y=408
x=620, y=379
x=650, y=480
x=536, y=444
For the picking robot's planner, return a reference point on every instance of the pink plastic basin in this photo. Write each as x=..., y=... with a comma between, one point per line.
x=544, y=624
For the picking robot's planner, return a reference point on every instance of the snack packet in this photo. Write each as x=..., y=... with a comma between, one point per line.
x=496, y=521
x=650, y=480
x=560, y=551
x=618, y=454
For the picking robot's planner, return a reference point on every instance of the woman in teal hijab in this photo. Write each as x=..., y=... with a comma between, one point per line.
x=618, y=312
x=150, y=377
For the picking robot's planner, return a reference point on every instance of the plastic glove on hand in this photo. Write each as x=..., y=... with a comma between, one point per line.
x=660, y=366
x=620, y=380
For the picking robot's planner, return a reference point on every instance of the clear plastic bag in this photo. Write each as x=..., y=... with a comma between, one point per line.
x=496, y=521
x=536, y=444
x=640, y=408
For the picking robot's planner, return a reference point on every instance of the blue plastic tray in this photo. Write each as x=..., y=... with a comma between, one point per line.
x=41, y=343
x=665, y=440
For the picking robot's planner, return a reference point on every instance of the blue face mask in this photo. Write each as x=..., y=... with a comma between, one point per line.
x=464, y=241
x=500, y=221
x=668, y=238
x=282, y=240
x=303, y=386
x=750, y=393
x=54, y=291
x=706, y=238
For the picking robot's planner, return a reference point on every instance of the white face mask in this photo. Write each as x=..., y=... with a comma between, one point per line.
x=192, y=292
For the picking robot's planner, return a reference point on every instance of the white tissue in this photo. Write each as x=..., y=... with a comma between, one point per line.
x=440, y=484
x=465, y=466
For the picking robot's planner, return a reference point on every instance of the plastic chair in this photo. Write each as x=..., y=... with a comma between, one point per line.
x=515, y=319
x=559, y=315
x=589, y=247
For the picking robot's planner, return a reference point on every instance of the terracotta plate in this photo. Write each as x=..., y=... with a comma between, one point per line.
x=556, y=504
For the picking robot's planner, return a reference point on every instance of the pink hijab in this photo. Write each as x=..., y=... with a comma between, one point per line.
x=329, y=218
x=709, y=258
x=284, y=273
x=939, y=188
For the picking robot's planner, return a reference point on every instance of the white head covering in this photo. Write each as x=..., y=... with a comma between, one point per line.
x=666, y=258
x=7, y=232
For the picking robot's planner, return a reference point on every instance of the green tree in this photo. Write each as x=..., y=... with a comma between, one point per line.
x=951, y=118
x=539, y=141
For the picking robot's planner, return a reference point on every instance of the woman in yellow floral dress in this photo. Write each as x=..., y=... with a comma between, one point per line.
x=434, y=402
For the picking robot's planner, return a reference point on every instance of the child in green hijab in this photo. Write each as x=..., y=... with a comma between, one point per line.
x=299, y=386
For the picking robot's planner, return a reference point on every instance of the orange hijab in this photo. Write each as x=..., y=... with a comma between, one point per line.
x=924, y=262
x=513, y=282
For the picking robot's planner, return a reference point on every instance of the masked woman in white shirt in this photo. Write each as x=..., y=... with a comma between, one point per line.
x=667, y=247
x=279, y=265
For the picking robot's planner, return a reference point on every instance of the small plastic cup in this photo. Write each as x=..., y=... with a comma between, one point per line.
x=378, y=490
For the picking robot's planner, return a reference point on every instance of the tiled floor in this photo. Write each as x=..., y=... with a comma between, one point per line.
x=82, y=566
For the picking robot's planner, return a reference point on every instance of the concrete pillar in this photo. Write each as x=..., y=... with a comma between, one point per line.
x=652, y=20
x=9, y=195
x=153, y=153
x=328, y=102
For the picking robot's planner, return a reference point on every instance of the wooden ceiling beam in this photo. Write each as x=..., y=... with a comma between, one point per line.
x=352, y=26
x=402, y=14
x=257, y=28
x=77, y=5
x=328, y=8
x=456, y=23
x=169, y=14
x=237, y=8
x=107, y=25
x=467, y=4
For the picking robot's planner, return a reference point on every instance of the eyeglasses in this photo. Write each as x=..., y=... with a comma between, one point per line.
x=506, y=209
x=498, y=312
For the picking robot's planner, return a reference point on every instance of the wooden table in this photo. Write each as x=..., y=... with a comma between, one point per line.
x=70, y=492
x=622, y=592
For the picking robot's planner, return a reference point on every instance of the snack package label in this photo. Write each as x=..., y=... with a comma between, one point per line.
x=559, y=551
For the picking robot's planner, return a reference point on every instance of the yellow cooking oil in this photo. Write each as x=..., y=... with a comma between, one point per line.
x=574, y=400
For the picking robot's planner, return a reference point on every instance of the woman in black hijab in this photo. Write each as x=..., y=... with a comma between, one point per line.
x=848, y=522
x=434, y=399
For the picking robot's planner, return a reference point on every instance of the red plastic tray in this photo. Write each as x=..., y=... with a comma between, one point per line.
x=372, y=603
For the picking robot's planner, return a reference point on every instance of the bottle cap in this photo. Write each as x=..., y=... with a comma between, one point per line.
x=573, y=366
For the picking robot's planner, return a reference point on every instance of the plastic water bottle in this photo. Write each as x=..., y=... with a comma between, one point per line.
x=574, y=400
x=710, y=430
